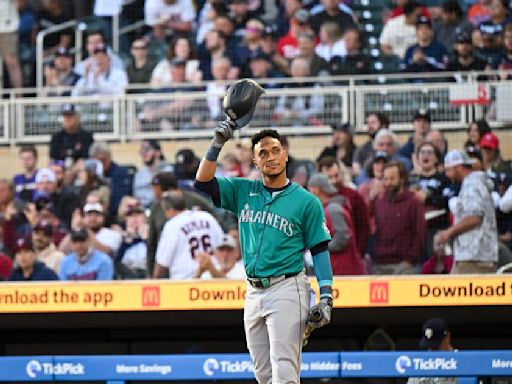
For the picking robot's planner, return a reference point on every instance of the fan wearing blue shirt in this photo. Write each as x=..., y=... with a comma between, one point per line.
x=85, y=262
x=426, y=55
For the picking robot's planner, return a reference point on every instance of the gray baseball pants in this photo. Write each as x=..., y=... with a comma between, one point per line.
x=274, y=322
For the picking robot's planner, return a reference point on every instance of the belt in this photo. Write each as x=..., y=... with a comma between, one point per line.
x=265, y=282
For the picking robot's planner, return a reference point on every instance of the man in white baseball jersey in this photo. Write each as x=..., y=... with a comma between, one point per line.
x=186, y=234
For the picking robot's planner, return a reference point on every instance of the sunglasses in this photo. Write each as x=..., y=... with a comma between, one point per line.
x=139, y=47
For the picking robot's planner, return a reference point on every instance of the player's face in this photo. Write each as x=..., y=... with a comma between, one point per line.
x=270, y=157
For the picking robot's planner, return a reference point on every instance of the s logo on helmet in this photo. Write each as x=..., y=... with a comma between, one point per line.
x=402, y=363
x=33, y=368
x=210, y=366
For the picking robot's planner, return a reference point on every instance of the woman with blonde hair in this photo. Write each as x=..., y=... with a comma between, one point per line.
x=331, y=42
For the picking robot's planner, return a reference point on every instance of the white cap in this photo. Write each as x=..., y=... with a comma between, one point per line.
x=457, y=157
x=227, y=241
x=93, y=207
x=45, y=175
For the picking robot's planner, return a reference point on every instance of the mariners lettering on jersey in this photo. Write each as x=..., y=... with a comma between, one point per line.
x=195, y=226
x=248, y=215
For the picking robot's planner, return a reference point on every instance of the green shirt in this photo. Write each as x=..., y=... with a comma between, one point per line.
x=274, y=229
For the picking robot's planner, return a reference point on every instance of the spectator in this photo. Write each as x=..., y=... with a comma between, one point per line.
x=489, y=48
x=385, y=141
x=131, y=259
x=6, y=265
x=59, y=75
x=399, y=9
x=252, y=39
x=211, y=9
x=439, y=263
x=477, y=129
x=495, y=25
x=465, y=59
x=475, y=154
x=226, y=25
x=103, y=79
x=400, y=222
x=154, y=163
x=186, y=234
x=25, y=182
x=141, y=65
x=64, y=201
x=226, y=257
x=306, y=46
x=357, y=206
x=245, y=157
x=72, y=142
x=451, y=24
x=287, y=46
x=375, y=121
x=27, y=21
x=27, y=267
x=479, y=12
x=46, y=252
x=342, y=146
x=373, y=188
x=47, y=212
x=215, y=47
x=96, y=39
x=101, y=238
x=437, y=138
x=331, y=42
x=430, y=186
x=301, y=109
x=169, y=17
x=355, y=62
x=164, y=183
x=52, y=13
x=491, y=156
x=85, y=262
x=217, y=89
x=89, y=178
x=503, y=219
x=474, y=232
x=185, y=167
x=118, y=178
x=260, y=67
x=180, y=48
x=421, y=124
x=504, y=61
x=269, y=47
x=399, y=33
x=426, y=55
x=345, y=256
x=241, y=15
x=9, y=22
x=332, y=13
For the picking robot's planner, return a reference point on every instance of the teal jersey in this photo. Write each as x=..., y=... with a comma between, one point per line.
x=274, y=230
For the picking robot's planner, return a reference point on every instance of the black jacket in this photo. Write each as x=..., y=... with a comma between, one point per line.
x=64, y=145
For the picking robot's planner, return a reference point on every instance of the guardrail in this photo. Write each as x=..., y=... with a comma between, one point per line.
x=466, y=365
x=179, y=114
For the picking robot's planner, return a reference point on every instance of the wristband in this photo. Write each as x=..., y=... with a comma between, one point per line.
x=212, y=154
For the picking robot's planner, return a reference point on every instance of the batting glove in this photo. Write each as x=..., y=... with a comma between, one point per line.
x=320, y=314
x=223, y=132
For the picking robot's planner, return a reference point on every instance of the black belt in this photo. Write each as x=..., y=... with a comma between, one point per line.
x=265, y=282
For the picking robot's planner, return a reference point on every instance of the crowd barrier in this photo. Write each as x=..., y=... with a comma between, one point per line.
x=466, y=365
x=175, y=115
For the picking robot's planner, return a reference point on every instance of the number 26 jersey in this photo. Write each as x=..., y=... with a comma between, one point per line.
x=183, y=237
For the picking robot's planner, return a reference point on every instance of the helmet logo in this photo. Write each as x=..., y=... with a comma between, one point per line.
x=231, y=114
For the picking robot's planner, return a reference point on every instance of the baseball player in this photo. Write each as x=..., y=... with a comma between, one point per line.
x=186, y=234
x=278, y=220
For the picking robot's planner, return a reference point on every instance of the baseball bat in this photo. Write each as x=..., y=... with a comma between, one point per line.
x=314, y=317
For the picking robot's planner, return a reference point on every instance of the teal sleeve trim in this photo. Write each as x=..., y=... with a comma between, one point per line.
x=322, y=267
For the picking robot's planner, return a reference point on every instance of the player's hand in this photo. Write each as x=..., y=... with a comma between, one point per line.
x=223, y=132
x=320, y=314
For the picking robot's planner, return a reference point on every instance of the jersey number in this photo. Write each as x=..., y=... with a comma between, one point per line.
x=195, y=242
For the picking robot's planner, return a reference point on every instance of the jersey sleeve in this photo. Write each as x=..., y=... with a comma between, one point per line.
x=315, y=227
x=167, y=245
x=229, y=189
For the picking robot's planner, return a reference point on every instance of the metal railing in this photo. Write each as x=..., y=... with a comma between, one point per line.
x=40, y=46
x=179, y=115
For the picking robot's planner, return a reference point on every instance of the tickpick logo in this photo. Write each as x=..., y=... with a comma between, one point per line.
x=210, y=366
x=33, y=368
x=402, y=363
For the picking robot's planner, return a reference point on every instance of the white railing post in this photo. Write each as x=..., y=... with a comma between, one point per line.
x=115, y=32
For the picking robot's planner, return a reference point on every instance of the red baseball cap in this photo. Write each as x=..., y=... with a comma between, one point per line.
x=490, y=141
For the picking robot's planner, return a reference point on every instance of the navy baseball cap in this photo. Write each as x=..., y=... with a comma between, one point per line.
x=63, y=51
x=434, y=332
x=423, y=20
x=68, y=109
x=422, y=114
x=259, y=55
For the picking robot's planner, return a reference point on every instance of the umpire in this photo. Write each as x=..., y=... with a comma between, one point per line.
x=278, y=220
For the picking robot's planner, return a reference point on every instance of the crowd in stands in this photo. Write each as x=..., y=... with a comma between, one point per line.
x=184, y=42
x=415, y=208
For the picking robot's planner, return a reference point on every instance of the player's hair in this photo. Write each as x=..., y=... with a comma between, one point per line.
x=401, y=170
x=173, y=200
x=28, y=148
x=266, y=133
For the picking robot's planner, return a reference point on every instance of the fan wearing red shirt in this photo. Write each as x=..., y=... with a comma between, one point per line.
x=287, y=46
x=398, y=11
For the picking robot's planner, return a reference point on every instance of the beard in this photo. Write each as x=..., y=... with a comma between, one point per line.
x=394, y=191
x=150, y=161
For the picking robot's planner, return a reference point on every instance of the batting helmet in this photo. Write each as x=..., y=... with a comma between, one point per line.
x=240, y=101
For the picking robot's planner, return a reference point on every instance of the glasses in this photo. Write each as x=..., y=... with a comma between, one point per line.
x=427, y=152
x=139, y=47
